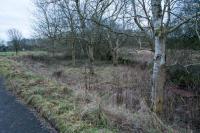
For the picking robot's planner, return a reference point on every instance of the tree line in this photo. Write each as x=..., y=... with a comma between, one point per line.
x=91, y=23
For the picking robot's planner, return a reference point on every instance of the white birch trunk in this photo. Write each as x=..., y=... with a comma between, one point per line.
x=196, y=29
x=159, y=77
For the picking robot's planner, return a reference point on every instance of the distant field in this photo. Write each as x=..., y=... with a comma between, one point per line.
x=8, y=54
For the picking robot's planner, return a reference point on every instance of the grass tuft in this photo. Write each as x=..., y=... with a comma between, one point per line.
x=53, y=101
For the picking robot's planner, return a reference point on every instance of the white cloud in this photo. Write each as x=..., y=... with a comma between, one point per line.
x=15, y=14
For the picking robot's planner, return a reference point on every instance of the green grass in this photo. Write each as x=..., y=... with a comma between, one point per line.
x=48, y=97
x=12, y=54
x=6, y=54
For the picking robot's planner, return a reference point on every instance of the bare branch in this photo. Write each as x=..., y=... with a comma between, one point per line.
x=183, y=22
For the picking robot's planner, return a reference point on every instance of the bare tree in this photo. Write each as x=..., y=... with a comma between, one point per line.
x=69, y=23
x=155, y=21
x=82, y=14
x=90, y=15
x=191, y=7
x=48, y=21
x=15, y=37
x=2, y=43
x=83, y=18
x=113, y=38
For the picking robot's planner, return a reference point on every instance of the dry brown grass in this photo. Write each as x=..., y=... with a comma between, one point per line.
x=182, y=103
x=112, y=96
x=183, y=57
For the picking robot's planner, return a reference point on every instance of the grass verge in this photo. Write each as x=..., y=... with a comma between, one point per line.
x=54, y=102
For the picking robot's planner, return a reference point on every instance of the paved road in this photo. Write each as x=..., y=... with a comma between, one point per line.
x=15, y=117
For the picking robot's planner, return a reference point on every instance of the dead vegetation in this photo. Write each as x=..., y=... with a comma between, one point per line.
x=114, y=97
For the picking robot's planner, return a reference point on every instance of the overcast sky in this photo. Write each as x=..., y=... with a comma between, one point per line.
x=15, y=14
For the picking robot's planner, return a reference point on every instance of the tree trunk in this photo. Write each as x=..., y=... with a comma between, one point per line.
x=115, y=53
x=159, y=75
x=73, y=53
x=16, y=50
x=91, y=58
x=140, y=43
x=16, y=47
x=196, y=29
x=114, y=49
x=53, y=47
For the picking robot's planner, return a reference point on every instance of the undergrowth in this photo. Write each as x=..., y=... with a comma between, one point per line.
x=85, y=109
x=50, y=99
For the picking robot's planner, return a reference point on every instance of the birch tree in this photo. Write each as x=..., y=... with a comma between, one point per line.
x=155, y=22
